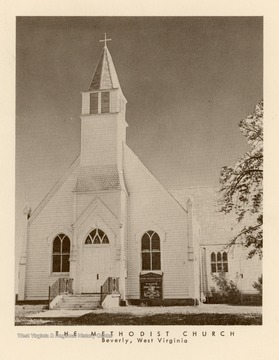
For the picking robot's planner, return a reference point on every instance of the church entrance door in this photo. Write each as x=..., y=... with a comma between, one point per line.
x=96, y=267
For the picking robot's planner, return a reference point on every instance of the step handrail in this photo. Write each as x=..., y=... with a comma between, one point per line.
x=60, y=286
x=110, y=286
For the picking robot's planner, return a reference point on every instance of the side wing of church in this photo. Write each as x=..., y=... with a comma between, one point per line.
x=108, y=220
x=215, y=232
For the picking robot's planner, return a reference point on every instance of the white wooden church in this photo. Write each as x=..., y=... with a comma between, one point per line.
x=109, y=230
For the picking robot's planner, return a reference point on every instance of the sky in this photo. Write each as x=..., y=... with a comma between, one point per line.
x=188, y=82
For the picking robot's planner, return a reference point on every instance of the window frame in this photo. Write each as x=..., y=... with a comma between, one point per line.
x=151, y=251
x=61, y=237
x=219, y=261
x=97, y=235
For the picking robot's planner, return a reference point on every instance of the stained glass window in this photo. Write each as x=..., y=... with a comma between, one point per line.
x=61, y=253
x=96, y=236
x=150, y=251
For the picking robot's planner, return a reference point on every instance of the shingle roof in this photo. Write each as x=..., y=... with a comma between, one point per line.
x=94, y=178
x=105, y=76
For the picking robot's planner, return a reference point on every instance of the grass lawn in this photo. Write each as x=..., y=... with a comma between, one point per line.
x=156, y=319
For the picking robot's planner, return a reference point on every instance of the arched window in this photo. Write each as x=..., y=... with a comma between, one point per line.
x=150, y=251
x=219, y=262
x=61, y=253
x=225, y=262
x=96, y=236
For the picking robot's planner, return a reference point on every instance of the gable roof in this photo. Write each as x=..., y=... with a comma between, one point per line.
x=96, y=205
x=105, y=76
x=127, y=149
x=54, y=189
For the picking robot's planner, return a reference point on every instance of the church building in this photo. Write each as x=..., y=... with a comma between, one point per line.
x=109, y=227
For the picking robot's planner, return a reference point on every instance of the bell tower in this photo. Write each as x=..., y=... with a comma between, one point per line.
x=103, y=125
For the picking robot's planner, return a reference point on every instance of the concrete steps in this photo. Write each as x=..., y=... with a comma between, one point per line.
x=79, y=302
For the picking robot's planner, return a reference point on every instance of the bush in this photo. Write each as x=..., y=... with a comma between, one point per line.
x=258, y=285
x=228, y=291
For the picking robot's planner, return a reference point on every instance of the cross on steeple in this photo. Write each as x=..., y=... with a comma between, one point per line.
x=105, y=40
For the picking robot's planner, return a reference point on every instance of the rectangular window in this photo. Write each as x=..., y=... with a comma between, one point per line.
x=56, y=263
x=221, y=264
x=94, y=103
x=146, y=261
x=105, y=100
x=213, y=268
x=156, y=261
x=65, y=263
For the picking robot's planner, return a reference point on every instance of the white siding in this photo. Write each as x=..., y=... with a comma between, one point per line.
x=150, y=203
x=99, y=140
x=53, y=218
x=85, y=103
x=110, y=198
x=114, y=101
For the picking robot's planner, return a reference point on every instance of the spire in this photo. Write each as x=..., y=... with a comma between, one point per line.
x=105, y=76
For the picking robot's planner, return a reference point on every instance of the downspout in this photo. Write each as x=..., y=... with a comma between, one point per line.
x=123, y=232
x=193, y=294
x=204, y=272
x=23, y=257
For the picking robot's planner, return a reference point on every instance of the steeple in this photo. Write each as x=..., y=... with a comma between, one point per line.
x=103, y=124
x=105, y=76
x=104, y=95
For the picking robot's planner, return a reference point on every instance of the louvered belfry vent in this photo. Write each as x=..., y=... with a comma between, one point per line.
x=94, y=103
x=105, y=99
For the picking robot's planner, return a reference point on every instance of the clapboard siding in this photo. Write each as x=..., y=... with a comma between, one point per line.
x=99, y=140
x=54, y=217
x=150, y=203
x=114, y=101
x=85, y=109
x=110, y=199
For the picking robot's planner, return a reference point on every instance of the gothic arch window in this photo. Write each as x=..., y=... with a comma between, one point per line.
x=150, y=251
x=96, y=236
x=61, y=253
x=219, y=262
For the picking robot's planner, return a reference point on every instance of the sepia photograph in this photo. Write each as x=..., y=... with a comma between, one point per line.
x=139, y=171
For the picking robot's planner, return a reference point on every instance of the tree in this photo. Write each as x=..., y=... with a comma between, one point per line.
x=242, y=186
x=258, y=285
x=228, y=291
